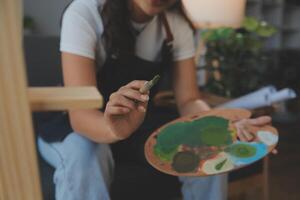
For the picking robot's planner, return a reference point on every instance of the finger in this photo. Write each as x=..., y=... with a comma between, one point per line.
x=137, y=84
x=274, y=151
x=122, y=101
x=134, y=94
x=260, y=120
x=240, y=135
x=141, y=108
x=116, y=110
x=247, y=135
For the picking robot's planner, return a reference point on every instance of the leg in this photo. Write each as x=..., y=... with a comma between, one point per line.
x=83, y=169
x=204, y=188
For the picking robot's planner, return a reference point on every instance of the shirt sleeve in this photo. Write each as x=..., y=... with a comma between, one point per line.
x=78, y=36
x=184, y=41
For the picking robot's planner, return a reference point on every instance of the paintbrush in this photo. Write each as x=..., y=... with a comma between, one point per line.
x=149, y=84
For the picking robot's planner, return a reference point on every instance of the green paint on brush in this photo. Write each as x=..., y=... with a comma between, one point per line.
x=242, y=150
x=206, y=131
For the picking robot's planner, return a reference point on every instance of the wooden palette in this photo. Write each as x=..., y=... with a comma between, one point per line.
x=207, y=144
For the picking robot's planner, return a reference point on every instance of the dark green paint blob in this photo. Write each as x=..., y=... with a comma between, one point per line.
x=206, y=131
x=210, y=131
x=184, y=162
x=216, y=136
x=220, y=165
x=242, y=150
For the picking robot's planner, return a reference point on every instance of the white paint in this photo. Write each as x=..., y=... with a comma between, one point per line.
x=267, y=137
x=209, y=166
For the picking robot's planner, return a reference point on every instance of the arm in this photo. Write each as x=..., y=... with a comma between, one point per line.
x=186, y=91
x=188, y=99
x=78, y=44
x=122, y=114
x=80, y=71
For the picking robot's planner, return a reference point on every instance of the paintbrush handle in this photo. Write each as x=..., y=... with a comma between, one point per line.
x=149, y=84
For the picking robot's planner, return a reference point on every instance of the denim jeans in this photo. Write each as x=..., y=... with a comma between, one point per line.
x=84, y=171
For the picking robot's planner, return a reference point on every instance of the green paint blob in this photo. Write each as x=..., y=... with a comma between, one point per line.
x=184, y=162
x=242, y=150
x=220, y=165
x=169, y=140
x=211, y=131
x=206, y=131
x=216, y=136
x=165, y=154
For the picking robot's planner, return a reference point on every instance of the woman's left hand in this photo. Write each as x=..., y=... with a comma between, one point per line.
x=246, y=136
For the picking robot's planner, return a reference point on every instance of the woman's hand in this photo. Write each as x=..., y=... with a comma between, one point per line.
x=125, y=110
x=246, y=136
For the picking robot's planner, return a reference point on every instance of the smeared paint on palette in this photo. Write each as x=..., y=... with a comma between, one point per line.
x=243, y=153
x=207, y=144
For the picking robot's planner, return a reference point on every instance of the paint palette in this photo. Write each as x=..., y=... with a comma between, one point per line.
x=207, y=144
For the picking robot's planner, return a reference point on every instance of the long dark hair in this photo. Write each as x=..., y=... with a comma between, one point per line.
x=118, y=31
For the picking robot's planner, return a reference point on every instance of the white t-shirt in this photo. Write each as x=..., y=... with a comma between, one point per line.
x=82, y=28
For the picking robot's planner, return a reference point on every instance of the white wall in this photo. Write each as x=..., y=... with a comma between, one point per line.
x=46, y=14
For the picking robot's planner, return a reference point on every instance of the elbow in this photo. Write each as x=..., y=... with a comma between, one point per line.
x=75, y=122
x=182, y=103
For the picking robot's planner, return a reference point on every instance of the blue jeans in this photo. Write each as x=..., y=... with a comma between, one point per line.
x=84, y=171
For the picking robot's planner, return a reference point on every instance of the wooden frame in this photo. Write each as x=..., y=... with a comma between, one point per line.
x=62, y=98
x=19, y=169
x=19, y=176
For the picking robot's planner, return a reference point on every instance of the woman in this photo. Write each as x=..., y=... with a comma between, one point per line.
x=117, y=45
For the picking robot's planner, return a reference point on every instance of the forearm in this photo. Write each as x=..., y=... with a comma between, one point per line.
x=186, y=91
x=193, y=106
x=92, y=124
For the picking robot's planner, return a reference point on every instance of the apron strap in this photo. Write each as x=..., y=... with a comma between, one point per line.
x=170, y=37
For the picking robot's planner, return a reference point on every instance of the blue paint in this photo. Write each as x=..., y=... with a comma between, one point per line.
x=261, y=151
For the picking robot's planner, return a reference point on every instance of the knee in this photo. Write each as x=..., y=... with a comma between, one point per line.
x=82, y=151
x=78, y=149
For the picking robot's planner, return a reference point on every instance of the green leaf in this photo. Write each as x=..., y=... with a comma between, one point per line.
x=217, y=34
x=224, y=33
x=265, y=30
x=206, y=35
x=250, y=24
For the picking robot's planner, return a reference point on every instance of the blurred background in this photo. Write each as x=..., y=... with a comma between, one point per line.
x=264, y=51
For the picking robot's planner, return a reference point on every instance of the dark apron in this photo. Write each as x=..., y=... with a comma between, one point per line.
x=117, y=72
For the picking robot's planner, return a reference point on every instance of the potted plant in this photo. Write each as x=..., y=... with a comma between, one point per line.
x=235, y=58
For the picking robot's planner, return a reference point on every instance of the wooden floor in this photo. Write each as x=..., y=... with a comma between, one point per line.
x=285, y=167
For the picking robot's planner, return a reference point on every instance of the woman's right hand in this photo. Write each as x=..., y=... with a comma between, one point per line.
x=126, y=109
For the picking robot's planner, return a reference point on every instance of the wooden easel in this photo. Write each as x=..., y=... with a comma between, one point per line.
x=19, y=176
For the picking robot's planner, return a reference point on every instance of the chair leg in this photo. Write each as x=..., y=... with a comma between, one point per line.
x=266, y=178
